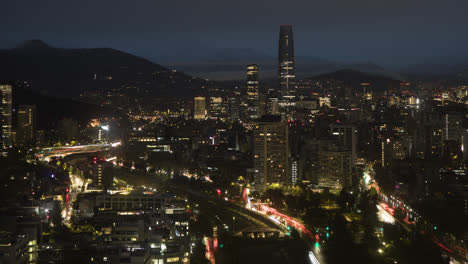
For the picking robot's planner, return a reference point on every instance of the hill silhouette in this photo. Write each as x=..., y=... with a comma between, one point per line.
x=69, y=72
x=355, y=78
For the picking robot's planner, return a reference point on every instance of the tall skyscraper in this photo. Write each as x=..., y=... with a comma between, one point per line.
x=252, y=91
x=5, y=115
x=199, y=108
x=271, y=152
x=286, y=65
x=25, y=132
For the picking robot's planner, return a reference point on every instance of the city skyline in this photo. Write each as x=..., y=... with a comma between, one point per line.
x=343, y=142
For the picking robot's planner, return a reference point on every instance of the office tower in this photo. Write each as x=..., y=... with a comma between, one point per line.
x=324, y=101
x=347, y=138
x=216, y=107
x=26, y=127
x=286, y=65
x=16, y=248
x=252, y=91
x=270, y=151
x=5, y=115
x=233, y=109
x=453, y=126
x=199, y=108
x=464, y=146
x=273, y=106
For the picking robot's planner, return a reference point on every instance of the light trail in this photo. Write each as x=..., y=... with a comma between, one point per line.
x=442, y=246
x=385, y=216
x=69, y=150
x=274, y=220
x=312, y=258
x=289, y=220
x=292, y=222
x=111, y=159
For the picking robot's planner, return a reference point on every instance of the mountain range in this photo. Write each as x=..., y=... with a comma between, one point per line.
x=69, y=72
x=354, y=79
x=229, y=64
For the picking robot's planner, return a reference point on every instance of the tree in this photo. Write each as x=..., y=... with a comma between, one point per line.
x=297, y=249
x=201, y=226
x=368, y=205
x=399, y=213
x=393, y=233
x=340, y=241
x=56, y=214
x=107, y=177
x=420, y=250
x=276, y=196
x=292, y=203
x=346, y=200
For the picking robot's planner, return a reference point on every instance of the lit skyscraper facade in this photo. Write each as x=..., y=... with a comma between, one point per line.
x=5, y=115
x=199, y=108
x=286, y=65
x=215, y=107
x=25, y=132
x=252, y=91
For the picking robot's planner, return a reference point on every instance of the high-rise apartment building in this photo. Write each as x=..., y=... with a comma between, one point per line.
x=252, y=91
x=270, y=151
x=26, y=128
x=286, y=65
x=325, y=164
x=347, y=138
x=336, y=168
x=199, y=108
x=98, y=167
x=342, y=156
x=5, y=115
x=102, y=174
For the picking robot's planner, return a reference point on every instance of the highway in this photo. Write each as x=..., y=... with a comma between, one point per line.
x=284, y=221
x=46, y=153
x=225, y=214
x=217, y=203
x=386, y=214
x=77, y=183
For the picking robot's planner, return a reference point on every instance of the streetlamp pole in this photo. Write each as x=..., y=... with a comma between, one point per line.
x=233, y=221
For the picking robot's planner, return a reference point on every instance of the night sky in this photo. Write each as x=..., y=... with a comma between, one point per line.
x=388, y=32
